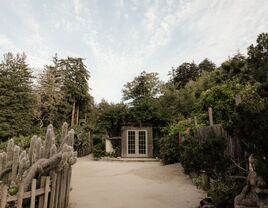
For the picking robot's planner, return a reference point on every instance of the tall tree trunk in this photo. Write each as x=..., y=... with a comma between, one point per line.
x=73, y=115
x=77, y=115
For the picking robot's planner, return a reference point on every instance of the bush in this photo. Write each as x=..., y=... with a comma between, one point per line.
x=22, y=141
x=223, y=192
x=169, y=150
x=117, y=147
x=207, y=155
x=197, y=181
x=97, y=139
x=81, y=142
x=191, y=155
x=99, y=150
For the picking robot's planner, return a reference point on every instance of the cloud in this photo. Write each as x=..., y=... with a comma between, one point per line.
x=7, y=44
x=119, y=39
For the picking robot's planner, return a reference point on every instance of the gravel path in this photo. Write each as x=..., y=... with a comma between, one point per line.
x=99, y=184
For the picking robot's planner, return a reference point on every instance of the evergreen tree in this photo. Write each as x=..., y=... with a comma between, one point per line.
x=16, y=98
x=206, y=65
x=258, y=61
x=49, y=89
x=76, y=101
x=64, y=91
x=183, y=74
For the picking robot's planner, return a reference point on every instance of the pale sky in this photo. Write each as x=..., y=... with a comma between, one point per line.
x=121, y=38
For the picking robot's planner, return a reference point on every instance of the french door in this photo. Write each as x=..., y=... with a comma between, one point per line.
x=137, y=143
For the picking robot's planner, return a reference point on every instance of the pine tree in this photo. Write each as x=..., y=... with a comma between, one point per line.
x=16, y=100
x=49, y=90
x=75, y=88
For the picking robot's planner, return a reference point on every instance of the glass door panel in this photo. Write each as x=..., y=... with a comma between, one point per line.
x=131, y=142
x=142, y=142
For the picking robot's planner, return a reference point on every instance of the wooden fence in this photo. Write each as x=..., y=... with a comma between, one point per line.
x=233, y=147
x=40, y=177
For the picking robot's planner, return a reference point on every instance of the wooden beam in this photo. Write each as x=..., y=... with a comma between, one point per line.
x=33, y=192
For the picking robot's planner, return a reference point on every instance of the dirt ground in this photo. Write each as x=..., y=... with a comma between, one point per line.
x=107, y=184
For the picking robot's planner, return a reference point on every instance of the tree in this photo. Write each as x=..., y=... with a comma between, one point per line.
x=235, y=67
x=49, y=90
x=64, y=91
x=76, y=98
x=146, y=85
x=206, y=65
x=143, y=92
x=16, y=98
x=111, y=117
x=183, y=74
x=258, y=61
x=251, y=127
x=221, y=99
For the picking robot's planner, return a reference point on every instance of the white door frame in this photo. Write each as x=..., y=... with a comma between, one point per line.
x=137, y=143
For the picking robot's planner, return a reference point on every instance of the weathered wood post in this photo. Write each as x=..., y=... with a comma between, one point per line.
x=195, y=121
x=205, y=180
x=238, y=99
x=210, y=115
x=3, y=194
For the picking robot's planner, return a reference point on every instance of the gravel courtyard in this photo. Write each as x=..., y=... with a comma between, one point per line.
x=100, y=184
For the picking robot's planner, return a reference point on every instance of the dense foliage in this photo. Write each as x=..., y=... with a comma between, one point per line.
x=169, y=150
x=207, y=155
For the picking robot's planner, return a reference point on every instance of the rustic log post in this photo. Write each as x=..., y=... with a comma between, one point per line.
x=50, y=141
x=63, y=186
x=77, y=115
x=47, y=183
x=195, y=121
x=10, y=153
x=32, y=154
x=64, y=131
x=73, y=114
x=4, y=191
x=15, y=163
x=10, y=150
x=32, y=205
x=238, y=99
x=1, y=162
x=20, y=196
x=68, y=187
x=210, y=115
x=205, y=180
x=57, y=196
x=53, y=176
x=41, y=198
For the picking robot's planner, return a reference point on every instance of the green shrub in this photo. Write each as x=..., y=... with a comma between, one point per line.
x=191, y=155
x=207, y=155
x=197, y=182
x=99, y=150
x=97, y=139
x=81, y=141
x=169, y=150
x=22, y=141
x=223, y=192
x=117, y=147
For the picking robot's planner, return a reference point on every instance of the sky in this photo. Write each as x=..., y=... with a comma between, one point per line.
x=121, y=38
